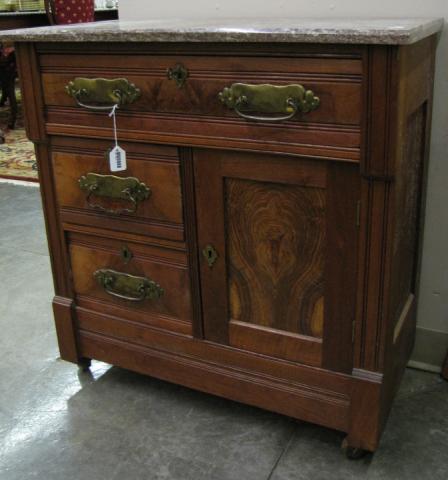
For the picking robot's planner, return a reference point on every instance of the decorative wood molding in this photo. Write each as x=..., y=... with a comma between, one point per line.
x=190, y=222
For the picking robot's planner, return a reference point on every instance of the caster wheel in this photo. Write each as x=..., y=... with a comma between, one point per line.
x=353, y=453
x=84, y=364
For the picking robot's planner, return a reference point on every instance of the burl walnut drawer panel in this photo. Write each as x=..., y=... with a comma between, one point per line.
x=143, y=283
x=88, y=193
x=193, y=114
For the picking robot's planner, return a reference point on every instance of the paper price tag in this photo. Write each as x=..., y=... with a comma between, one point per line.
x=117, y=159
x=117, y=156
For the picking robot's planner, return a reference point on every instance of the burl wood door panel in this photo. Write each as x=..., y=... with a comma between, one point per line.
x=275, y=244
x=156, y=166
x=285, y=235
x=168, y=268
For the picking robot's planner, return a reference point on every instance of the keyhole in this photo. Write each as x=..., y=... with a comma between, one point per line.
x=126, y=254
x=210, y=255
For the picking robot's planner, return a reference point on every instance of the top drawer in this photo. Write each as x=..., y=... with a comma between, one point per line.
x=179, y=101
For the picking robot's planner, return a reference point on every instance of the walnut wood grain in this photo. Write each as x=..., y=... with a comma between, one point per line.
x=275, y=254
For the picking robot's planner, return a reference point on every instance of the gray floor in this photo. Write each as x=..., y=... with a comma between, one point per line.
x=114, y=424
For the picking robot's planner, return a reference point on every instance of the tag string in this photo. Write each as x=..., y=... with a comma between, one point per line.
x=114, y=118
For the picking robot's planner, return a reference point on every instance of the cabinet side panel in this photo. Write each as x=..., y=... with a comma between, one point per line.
x=416, y=67
x=407, y=199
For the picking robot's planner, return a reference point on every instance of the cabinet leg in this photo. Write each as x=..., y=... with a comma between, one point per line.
x=84, y=364
x=352, y=453
x=445, y=368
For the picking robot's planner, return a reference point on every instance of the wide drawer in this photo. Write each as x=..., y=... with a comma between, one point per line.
x=142, y=283
x=191, y=113
x=147, y=194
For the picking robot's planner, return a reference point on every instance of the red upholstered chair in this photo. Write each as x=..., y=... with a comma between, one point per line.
x=61, y=12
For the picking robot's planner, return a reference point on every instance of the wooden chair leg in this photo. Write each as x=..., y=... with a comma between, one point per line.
x=11, y=93
x=4, y=96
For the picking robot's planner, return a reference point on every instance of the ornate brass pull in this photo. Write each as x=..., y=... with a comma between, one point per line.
x=210, y=254
x=117, y=188
x=128, y=287
x=287, y=100
x=102, y=94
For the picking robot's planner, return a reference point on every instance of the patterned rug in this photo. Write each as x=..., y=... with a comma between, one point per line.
x=17, y=158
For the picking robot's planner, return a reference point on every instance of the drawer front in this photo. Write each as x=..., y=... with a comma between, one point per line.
x=180, y=99
x=137, y=282
x=147, y=194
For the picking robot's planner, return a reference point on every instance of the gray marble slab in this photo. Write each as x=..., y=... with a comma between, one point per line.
x=385, y=31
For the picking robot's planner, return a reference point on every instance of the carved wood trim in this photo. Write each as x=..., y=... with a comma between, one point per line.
x=32, y=91
x=380, y=98
x=327, y=152
x=237, y=384
x=190, y=222
x=292, y=50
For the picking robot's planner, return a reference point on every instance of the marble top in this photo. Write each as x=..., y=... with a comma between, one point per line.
x=386, y=31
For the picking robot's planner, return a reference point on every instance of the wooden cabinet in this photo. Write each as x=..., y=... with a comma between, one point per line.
x=269, y=260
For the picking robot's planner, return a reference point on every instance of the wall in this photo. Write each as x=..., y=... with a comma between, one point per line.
x=432, y=334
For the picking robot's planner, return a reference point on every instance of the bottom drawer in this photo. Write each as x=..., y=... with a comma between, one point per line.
x=142, y=283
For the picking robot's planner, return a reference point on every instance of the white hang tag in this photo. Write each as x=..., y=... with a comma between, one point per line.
x=117, y=156
x=117, y=159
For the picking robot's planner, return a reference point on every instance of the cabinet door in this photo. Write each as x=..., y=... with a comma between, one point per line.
x=278, y=246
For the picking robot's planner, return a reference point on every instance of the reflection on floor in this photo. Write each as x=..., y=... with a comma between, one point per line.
x=17, y=158
x=112, y=424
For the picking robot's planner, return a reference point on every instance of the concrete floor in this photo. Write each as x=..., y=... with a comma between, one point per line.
x=56, y=424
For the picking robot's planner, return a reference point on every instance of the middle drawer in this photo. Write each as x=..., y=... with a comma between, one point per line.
x=145, y=198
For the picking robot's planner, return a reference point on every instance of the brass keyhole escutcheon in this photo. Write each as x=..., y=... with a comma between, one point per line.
x=179, y=74
x=210, y=254
x=126, y=254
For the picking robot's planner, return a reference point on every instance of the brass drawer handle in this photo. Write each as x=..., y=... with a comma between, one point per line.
x=128, y=287
x=117, y=188
x=287, y=100
x=102, y=94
